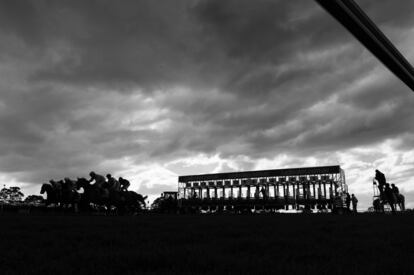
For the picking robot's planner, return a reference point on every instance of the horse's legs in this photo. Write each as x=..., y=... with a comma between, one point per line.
x=392, y=207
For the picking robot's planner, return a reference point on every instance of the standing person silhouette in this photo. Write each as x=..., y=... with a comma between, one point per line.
x=354, y=203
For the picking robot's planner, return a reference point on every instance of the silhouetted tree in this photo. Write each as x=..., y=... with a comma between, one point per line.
x=164, y=204
x=10, y=195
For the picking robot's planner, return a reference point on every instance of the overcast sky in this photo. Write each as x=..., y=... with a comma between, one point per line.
x=150, y=90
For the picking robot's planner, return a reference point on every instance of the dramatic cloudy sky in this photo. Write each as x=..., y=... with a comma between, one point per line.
x=151, y=90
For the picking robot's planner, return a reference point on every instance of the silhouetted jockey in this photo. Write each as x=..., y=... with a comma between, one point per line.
x=113, y=184
x=389, y=196
x=380, y=177
x=124, y=184
x=99, y=179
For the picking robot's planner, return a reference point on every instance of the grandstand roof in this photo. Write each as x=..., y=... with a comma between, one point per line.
x=321, y=170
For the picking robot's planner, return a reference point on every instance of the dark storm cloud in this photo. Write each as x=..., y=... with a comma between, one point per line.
x=85, y=84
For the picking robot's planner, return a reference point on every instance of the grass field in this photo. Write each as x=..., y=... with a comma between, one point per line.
x=208, y=244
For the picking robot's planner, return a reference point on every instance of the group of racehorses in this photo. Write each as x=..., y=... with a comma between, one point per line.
x=389, y=194
x=81, y=195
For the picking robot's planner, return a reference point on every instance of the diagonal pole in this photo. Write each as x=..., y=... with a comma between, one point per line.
x=354, y=19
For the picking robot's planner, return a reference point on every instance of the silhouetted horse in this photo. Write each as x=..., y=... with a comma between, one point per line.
x=51, y=196
x=378, y=203
x=125, y=201
x=165, y=205
x=400, y=201
x=92, y=194
x=70, y=198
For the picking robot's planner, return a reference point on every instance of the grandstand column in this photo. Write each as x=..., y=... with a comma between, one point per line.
x=277, y=189
x=267, y=190
x=294, y=190
x=305, y=202
x=314, y=188
x=287, y=195
x=331, y=186
x=331, y=195
x=314, y=194
x=320, y=190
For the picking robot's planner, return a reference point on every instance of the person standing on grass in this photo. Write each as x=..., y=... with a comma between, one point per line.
x=354, y=203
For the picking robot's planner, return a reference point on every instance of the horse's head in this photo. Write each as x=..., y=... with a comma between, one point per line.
x=45, y=188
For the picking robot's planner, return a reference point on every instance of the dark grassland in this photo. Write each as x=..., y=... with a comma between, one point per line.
x=213, y=244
